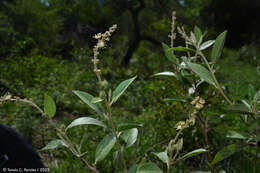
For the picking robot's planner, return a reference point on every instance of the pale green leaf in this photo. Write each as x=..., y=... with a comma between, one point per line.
x=224, y=153
x=169, y=53
x=207, y=44
x=193, y=37
x=257, y=96
x=218, y=46
x=251, y=92
x=96, y=100
x=246, y=104
x=121, y=89
x=235, y=135
x=175, y=99
x=54, y=144
x=198, y=33
x=149, y=168
x=166, y=73
x=87, y=98
x=104, y=147
x=49, y=106
x=129, y=136
x=85, y=121
x=202, y=72
x=179, y=144
x=193, y=153
x=163, y=157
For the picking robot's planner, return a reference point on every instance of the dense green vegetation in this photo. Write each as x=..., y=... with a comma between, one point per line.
x=46, y=54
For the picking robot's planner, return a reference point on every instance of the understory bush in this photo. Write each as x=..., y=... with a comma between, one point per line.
x=194, y=117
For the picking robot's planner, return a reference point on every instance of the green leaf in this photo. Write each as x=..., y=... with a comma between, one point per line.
x=193, y=153
x=121, y=89
x=49, y=106
x=129, y=136
x=87, y=98
x=175, y=99
x=202, y=72
x=238, y=108
x=224, y=153
x=54, y=144
x=179, y=144
x=169, y=53
x=200, y=172
x=182, y=49
x=166, y=73
x=85, y=121
x=163, y=157
x=148, y=168
x=251, y=92
x=257, y=96
x=117, y=158
x=206, y=44
x=218, y=46
x=104, y=147
x=125, y=126
x=133, y=169
x=96, y=100
x=246, y=104
x=235, y=135
x=198, y=33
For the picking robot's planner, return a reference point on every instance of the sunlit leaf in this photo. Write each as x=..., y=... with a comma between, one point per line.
x=224, y=153
x=246, y=104
x=85, y=121
x=235, y=135
x=148, y=168
x=207, y=44
x=193, y=153
x=166, y=73
x=49, y=106
x=218, y=46
x=104, y=147
x=54, y=144
x=202, y=72
x=96, y=100
x=162, y=156
x=121, y=89
x=129, y=136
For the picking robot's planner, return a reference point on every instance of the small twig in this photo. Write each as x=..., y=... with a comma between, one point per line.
x=116, y=135
x=204, y=126
x=214, y=78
